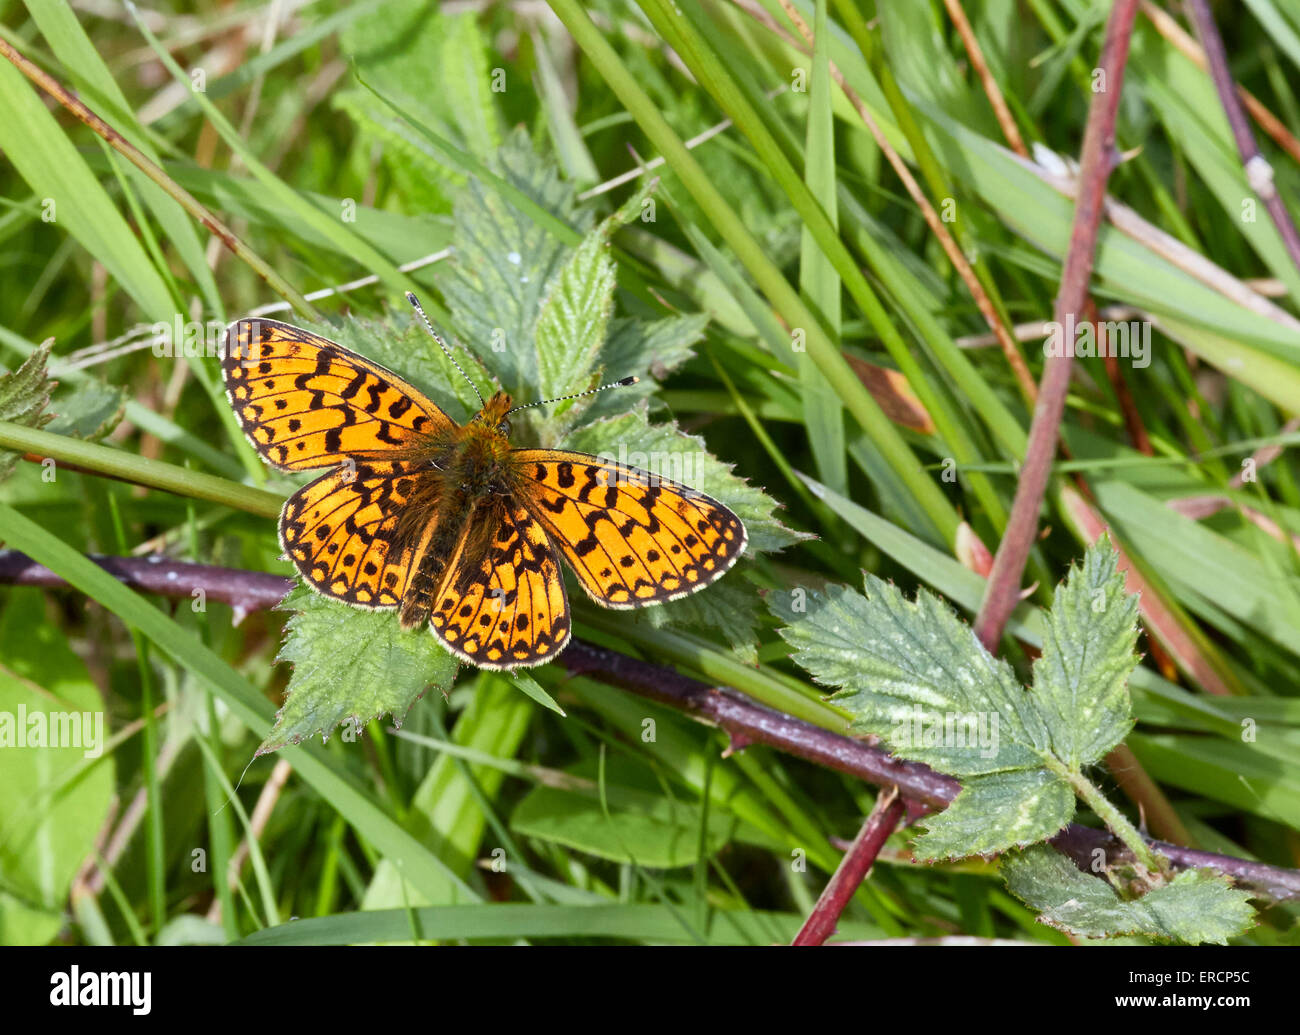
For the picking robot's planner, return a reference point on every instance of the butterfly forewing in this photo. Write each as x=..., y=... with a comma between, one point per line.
x=501, y=602
x=342, y=532
x=306, y=402
x=632, y=538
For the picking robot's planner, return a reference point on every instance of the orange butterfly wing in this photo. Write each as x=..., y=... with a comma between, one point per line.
x=632, y=538
x=341, y=532
x=501, y=600
x=305, y=401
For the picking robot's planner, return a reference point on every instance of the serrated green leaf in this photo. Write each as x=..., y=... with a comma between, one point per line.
x=90, y=411
x=730, y=606
x=914, y=674
x=424, y=183
x=401, y=45
x=573, y=325
x=1195, y=906
x=641, y=347
x=1081, y=678
x=644, y=349
x=503, y=264
x=350, y=666
x=24, y=395
x=991, y=812
x=573, y=319
x=909, y=671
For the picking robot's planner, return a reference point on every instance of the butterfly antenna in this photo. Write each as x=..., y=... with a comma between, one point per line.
x=415, y=302
x=591, y=391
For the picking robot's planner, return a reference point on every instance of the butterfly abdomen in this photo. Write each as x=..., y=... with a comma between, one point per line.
x=467, y=476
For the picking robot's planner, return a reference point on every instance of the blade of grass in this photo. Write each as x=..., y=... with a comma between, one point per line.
x=818, y=280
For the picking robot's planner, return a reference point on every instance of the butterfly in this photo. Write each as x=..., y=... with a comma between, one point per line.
x=448, y=523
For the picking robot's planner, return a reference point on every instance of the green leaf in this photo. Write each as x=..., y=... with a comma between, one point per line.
x=57, y=789
x=1081, y=679
x=1195, y=906
x=649, y=350
x=908, y=666
x=401, y=45
x=419, y=179
x=351, y=666
x=24, y=395
x=526, y=684
x=818, y=281
x=914, y=674
x=503, y=264
x=90, y=411
x=573, y=319
x=644, y=826
x=656, y=348
x=20, y=924
x=990, y=813
x=730, y=606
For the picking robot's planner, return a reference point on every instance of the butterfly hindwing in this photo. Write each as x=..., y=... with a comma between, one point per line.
x=305, y=401
x=631, y=537
x=501, y=601
x=342, y=532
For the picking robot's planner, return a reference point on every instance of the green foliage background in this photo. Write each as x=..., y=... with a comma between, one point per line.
x=358, y=138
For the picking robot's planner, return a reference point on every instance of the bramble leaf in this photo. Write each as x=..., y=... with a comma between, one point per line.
x=914, y=674
x=503, y=264
x=1081, y=679
x=1195, y=906
x=90, y=411
x=990, y=813
x=395, y=50
x=24, y=396
x=350, y=666
x=573, y=319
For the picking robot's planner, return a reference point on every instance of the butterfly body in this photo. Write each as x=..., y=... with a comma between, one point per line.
x=465, y=473
x=449, y=523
